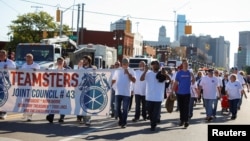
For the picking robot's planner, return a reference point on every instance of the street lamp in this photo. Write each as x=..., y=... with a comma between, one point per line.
x=61, y=19
x=119, y=48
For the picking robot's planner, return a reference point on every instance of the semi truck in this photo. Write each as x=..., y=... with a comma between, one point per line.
x=48, y=50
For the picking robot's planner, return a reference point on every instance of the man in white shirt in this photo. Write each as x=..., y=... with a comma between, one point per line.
x=123, y=78
x=139, y=92
x=30, y=64
x=5, y=63
x=210, y=86
x=155, y=88
x=218, y=92
x=86, y=64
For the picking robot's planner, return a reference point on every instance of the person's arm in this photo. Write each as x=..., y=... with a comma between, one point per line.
x=130, y=76
x=142, y=78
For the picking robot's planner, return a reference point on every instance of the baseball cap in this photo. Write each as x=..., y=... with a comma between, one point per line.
x=125, y=61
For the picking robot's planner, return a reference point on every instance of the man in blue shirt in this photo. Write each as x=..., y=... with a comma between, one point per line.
x=183, y=81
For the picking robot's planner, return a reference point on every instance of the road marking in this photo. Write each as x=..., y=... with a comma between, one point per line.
x=88, y=131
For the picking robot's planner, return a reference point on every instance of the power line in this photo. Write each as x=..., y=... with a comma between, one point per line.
x=141, y=18
x=10, y=6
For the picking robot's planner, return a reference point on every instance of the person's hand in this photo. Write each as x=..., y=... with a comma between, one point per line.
x=163, y=70
x=146, y=68
x=126, y=71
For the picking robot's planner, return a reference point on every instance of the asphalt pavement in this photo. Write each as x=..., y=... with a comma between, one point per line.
x=14, y=128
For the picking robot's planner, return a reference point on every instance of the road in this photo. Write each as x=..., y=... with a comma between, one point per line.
x=14, y=128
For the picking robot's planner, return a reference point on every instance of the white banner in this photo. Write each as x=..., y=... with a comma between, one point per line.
x=69, y=92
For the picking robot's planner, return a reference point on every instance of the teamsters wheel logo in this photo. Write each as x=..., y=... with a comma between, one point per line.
x=94, y=89
x=94, y=100
x=4, y=87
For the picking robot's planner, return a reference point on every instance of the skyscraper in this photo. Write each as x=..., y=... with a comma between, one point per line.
x=243, y=57
x=180, y=26
x=121, y=25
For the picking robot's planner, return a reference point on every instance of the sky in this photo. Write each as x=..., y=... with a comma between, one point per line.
x=207, y=17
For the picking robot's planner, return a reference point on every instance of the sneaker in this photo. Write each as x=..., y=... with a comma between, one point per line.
x=60, y=120
x=152, y=128
x=209, y=119
x=123, y=126
x=49, y=119
x=79, y=119
x=233, y=117
x=186, y=124
x=181, y=123
x=87, y=122
x=135, y=120
x=3, y=116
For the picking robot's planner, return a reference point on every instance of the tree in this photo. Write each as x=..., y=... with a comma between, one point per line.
x=30, y=27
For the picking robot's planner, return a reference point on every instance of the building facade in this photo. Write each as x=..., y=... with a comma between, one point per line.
x=243, y=57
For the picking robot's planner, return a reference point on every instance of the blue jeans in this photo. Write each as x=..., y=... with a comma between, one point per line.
x=191, y=106
x=122, y=102
x=240, y=101
x=140, y=106
x=215, y=106
x=153, y=111
x=233, y=106
x=209, y=107
x=112, y=106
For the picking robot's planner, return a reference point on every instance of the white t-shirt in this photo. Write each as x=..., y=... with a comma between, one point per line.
x=123, y=83
x=209, y=86
x=233, y=89
x=7, y=64
x=193, y=89
x=154, y=89
x=139, y=86
x=240, y=79
x=111, y=77
x=31, y=66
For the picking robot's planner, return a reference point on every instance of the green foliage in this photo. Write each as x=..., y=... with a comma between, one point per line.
x=247, y=69
x=28, y=28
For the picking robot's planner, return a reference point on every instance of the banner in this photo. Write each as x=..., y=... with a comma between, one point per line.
x=69, y=92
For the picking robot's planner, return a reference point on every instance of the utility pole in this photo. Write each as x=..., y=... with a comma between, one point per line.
x=73, y=9
x=82, y=29
x=78, y=18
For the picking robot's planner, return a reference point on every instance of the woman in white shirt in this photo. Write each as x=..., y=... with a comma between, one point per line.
x=234, y=90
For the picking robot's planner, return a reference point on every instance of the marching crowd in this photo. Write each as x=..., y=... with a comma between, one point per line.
x=151, y=84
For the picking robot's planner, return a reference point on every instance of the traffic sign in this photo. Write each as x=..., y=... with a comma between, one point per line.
x=72, y=37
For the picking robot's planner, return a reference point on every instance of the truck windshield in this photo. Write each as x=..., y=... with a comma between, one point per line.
x=40, y=52
x=134, y=63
